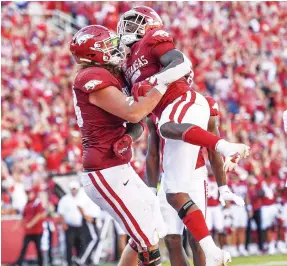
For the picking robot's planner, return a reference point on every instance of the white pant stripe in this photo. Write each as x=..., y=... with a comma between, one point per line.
x=118, y=206
x=179, y=108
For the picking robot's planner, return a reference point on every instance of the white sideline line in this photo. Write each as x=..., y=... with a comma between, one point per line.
x=269, y=263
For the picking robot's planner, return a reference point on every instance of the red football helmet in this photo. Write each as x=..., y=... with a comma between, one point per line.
x=98, y=44
x=134, y=23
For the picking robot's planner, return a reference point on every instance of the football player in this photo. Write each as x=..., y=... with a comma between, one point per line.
x=173, y=239
x=183, y=117
x=102, y=107
x=197, y=190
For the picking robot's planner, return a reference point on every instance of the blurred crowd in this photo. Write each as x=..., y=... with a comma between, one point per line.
x=239, y=56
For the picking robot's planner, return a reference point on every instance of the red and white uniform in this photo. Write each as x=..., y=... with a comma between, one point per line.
x=180, y=104
x=214, y=215
x=270, y=208
x=197, y=189
x=240, y=216
x=111, y=182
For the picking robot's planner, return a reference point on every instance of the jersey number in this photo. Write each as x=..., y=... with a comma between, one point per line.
x=80, y=120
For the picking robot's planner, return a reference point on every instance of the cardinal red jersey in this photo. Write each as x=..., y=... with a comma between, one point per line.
x=100, y=129
x=253, y=193
x=213, y=192
x=144, y=61
x=270, y=187
x=213, y=106
x=31, y=209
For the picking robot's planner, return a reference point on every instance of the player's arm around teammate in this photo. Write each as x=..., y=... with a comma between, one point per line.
x=103, y=106
x=115, y=102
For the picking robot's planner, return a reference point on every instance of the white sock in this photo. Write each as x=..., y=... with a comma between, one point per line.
x=207, y=244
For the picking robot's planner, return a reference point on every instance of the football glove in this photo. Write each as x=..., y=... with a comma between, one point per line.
x=226, y=194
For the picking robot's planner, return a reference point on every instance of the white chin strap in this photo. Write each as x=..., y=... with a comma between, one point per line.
x=129, y=39
x=115, y=60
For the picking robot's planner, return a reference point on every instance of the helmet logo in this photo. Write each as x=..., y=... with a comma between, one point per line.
x=161, y=33
x=97, y=45
x=90, y=85
x=84, y=38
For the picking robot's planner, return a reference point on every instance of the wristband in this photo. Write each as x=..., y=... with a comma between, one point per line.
x=161, y=87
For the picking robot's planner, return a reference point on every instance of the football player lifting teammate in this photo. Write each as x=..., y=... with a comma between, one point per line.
x=103, y=106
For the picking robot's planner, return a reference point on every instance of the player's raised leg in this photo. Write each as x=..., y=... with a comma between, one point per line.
x=178, y=179
x=132, y=204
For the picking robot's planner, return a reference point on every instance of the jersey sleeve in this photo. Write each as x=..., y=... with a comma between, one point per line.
x=160, y=42
x=213, y=106
x=95, y=79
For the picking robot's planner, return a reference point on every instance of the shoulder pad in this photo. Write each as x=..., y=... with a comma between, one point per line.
x=213, y=106
x=93, y=79
x=158, y=36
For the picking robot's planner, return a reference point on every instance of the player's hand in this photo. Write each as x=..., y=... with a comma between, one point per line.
x=226, y=194
x=123, y=147
x=140, y=89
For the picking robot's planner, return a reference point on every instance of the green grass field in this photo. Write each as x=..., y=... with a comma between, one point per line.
x=276, y=260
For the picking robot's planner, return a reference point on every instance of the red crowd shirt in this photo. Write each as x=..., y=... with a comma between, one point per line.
x=255, y=200
x=31, y=209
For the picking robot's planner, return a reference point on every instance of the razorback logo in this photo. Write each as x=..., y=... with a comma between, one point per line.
x=84, y=38
x=161, y=33
x=90, y=85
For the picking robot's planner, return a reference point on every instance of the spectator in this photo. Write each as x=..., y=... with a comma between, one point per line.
x=72, y=221
x=255, y=194
x=33, y=216
x=91, y=213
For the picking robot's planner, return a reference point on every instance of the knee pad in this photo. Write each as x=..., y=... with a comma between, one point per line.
x=182, y=212
x=149, y=257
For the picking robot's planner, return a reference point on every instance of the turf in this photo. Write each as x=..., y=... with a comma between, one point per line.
x=276, y=260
